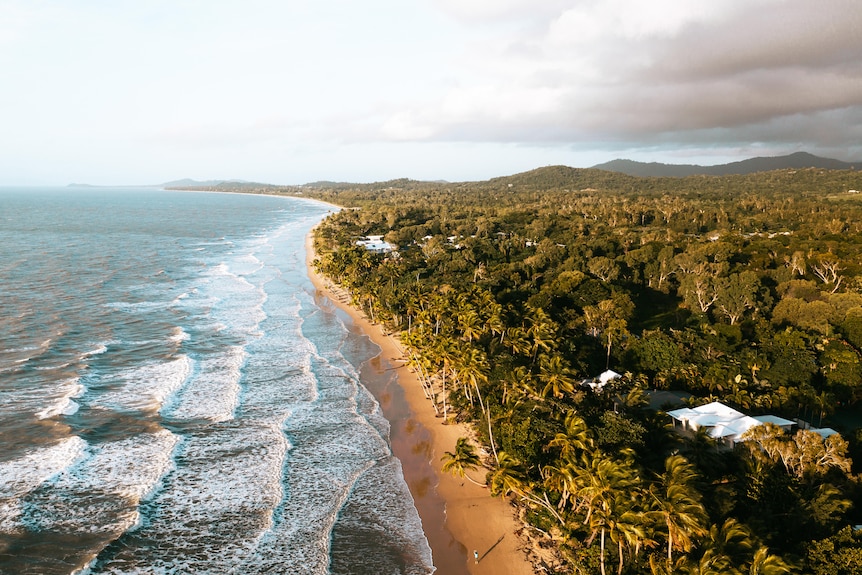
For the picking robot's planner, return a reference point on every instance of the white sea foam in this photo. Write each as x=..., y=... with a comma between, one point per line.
x=218, y=242
x=16, y=356
x=146, y=387
x=246, y=265
x=45, y=344
x=276, y=442
x=22, y=475
x=101, y=493
x=332, y=447
x=212, y=391
x=179, y=298
x=381, y=505
x=102, y=348
x=61, y=402
x=277, y=379
x=52, y=367
x=239, y=302
x=223, y=490
x=178, y=334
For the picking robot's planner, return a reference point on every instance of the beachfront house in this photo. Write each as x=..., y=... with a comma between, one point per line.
x=722, y=422
x=597, y=383
x=375, y=244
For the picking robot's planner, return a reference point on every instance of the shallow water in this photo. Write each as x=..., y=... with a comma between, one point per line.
x=176, y=402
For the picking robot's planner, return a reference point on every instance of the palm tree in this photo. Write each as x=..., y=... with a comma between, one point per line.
x=469, y=322
x=556, y=377
x=542, y=332
x=522, y=385
x=628, y=529
x=420, y=364
x=561, y=478
x=710, y=563
x=701, y=449
x=577, y=437
x=492, y=312
x=508, y=477
x=460, y=461
x=677, y=504
x=764, y=563
x=473, y=368
x=517, y=340
x=445, y=353
x=604, y=483
x=731, y=539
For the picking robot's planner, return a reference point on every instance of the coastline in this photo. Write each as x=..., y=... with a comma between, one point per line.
x=458, y=517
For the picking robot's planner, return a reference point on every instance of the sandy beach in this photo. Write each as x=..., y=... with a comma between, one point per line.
x=458, y=517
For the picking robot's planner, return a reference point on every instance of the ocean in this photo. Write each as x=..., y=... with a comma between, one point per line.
x=174, y=401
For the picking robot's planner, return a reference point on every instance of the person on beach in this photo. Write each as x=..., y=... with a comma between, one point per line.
x=476, y=556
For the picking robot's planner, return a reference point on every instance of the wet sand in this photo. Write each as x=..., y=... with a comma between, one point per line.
x=458, y=517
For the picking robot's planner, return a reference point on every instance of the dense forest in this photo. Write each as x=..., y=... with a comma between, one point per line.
x=509, y=293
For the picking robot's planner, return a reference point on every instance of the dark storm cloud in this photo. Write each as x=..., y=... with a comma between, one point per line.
x=787, y=73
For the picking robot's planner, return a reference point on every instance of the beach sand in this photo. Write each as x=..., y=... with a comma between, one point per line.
x=458, y=517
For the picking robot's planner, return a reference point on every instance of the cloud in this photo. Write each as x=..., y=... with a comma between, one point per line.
x=383, y=85
x=628, y=71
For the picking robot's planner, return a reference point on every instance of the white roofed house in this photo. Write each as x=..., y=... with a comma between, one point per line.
x=824, y=432
x=784, y=424
x=722, y=422
x=597, y=383
x=375, y=244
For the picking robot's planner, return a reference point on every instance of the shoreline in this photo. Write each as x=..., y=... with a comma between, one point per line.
x=470, y=519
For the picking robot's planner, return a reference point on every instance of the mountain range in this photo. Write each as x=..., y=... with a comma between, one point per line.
x=798, y=160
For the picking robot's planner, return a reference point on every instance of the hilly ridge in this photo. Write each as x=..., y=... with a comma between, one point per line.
x=798, y=160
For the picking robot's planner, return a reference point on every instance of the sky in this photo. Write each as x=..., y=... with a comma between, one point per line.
x=294, y=91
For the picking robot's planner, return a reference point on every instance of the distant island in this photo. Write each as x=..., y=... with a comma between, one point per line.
x=173, y=184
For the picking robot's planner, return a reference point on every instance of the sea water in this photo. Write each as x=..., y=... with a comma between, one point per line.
x=174, y=401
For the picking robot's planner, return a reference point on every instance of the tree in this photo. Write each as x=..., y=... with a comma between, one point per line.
x=828, y=269
x=508, y=477
x=606, y=487
x=555, y=376
x=792, y=361
x=805, y=454
x=810, y=316
x=604, y=268
x=676, y=504
x=736, y=294
x=461, y=460
x=576, y=439
x=541, y=331
x=765, y=563
x=842, y=367
x=444, y=354
x=699, y=291
x=655, y=351
x=607, y=321
x=840, y=554
x=473, y=368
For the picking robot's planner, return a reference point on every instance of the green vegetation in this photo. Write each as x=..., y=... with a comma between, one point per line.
x=741, y=289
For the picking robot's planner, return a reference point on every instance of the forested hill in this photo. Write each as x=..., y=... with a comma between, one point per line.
x=535, y=187
x=560, y=178
x=743, y=289
x=798, y=160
